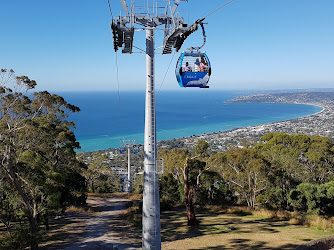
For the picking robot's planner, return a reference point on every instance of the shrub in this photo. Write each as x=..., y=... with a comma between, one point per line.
x=313, y=199
x=169, y=191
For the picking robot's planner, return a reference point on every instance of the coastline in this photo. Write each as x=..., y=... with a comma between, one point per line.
x=320, y=123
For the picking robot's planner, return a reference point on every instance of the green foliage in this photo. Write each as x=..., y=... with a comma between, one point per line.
x=20, y=238
x=169, y=191
x=245, y=170
x=196, y=170
x=100, y=178
x=304, y=158
x=262, y=175
x=107, y=183
x=207, y=186
x=313, y=198
x=294, y=159
x=279, y=184
x=201, y=148
x=137, y=185
x=37, y=161
x=273, y=198
x=213, y=192
x=174, y=160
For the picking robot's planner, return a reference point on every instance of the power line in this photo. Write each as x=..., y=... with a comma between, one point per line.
x=163, y=80
x=219, y=8
x=110, y=9
x=118, y=92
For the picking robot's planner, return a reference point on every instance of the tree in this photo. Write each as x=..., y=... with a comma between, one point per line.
x=201, y=148
x=313, y=198
x=169, y=191
x=304, y=158
x=213, y=190
x=173, y=162
x=37, y=149
x=93, y=171
x=187, y=171
x=100, y=178
x=294, y=159
x=246, y=171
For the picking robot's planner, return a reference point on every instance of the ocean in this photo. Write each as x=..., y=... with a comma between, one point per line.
x=108, y=117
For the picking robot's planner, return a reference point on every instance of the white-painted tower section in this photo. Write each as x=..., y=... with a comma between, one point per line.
x=128, y=144
x=151, y=202
x=129, y=183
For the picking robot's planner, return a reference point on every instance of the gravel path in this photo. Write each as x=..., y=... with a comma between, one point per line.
x=104, y=231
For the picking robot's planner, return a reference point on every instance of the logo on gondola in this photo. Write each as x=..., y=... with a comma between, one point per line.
x=190, y=77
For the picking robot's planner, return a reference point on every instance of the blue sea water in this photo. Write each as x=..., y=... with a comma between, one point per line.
x=108, y=117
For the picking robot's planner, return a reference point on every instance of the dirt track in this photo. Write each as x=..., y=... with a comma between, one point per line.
x=106, y=229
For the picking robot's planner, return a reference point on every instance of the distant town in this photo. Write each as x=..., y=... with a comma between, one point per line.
x=321, y=123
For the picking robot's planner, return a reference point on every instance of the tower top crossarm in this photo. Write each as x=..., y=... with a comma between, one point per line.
x=150, y=13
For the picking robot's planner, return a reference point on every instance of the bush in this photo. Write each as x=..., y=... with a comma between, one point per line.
x=169, y=191
x=313, y=199
x=20, y=238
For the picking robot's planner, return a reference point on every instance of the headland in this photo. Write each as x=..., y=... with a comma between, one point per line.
x=321, y=123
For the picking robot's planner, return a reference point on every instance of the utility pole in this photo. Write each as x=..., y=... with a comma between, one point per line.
x=150, y=14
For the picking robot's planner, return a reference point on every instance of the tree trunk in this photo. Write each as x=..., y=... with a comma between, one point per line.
x=7, y=225
x=192, y=221
x=92, y=186
x=34, y=232
x=31, y=210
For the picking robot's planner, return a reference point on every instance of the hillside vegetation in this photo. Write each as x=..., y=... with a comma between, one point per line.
x=41, y=174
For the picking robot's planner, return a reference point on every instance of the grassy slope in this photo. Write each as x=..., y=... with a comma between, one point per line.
x=248, y=232
x=213, y=233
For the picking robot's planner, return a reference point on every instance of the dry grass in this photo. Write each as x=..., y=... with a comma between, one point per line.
x=293, y=218
x=283, y=215
x=235, y=230
x=117, y=195
x=80, y=210
x=239, y=210
x=263, y=213
x=133, y=215
x=320, y=223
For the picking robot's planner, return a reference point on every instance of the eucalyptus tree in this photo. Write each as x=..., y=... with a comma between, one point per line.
x=245, y=171
x=187, y=169
x=305, y=158
x=37, y=150
x=294, y=159
x=99, y=175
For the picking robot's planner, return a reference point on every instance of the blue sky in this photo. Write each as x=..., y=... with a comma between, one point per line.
x=66, y=45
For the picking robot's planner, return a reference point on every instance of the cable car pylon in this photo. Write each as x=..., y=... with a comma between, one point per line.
x=126, y=145
x=150, y=15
